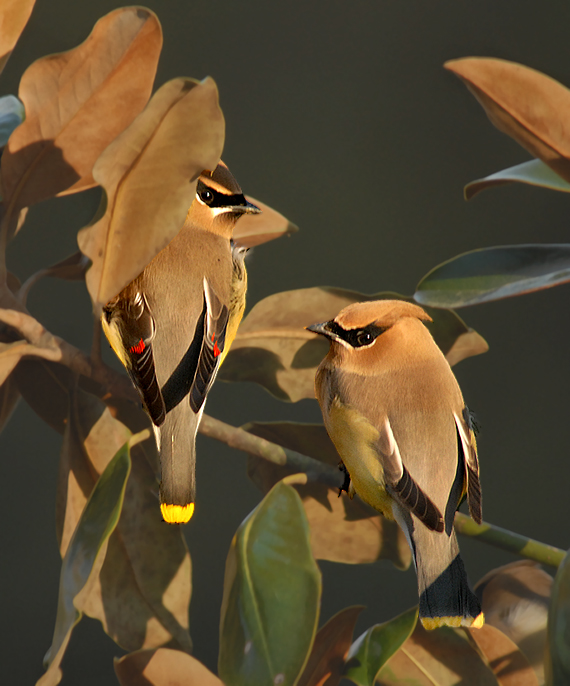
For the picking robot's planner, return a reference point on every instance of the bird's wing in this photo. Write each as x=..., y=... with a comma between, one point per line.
x=129, y=325
x=469, y=449
x=402, y=485
x=213, y=342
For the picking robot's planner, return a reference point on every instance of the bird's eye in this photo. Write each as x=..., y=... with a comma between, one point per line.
x=364, y=337
x=206, y=196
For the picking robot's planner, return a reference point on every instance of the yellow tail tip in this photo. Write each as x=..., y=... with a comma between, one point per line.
x=177, y=514
x=430, y=623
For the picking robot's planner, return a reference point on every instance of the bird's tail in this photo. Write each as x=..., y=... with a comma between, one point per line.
x=176, y=440
x=446, y=598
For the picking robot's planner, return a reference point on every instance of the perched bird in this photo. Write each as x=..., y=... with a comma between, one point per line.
x=395, y=413
x=172, y=326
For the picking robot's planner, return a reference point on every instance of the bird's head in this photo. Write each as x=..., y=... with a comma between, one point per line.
x=219, y=201
x=358, y=326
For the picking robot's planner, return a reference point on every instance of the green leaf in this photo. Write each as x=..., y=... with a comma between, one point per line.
x=370, y=652
x=85, y=555
x=534, y=173
x=272, y=347
x=557, y=663
x=493, y=273
x=272, y=593
x=12, y=114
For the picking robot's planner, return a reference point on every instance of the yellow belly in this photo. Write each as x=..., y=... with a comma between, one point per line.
x=355, y=440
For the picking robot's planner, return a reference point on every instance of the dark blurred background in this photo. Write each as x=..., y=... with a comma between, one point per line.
x=340, y=115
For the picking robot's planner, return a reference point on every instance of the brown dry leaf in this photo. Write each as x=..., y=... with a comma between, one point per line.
x=442, y=657
x=9, y=397
x=14, y=15
x=272, y=347
x=509, y=665
x=515, y=599
x=149, y=175
x=76, y=103
x=163, y=667
x=71, y=268
x=142, y=593
x=332, y=642
x=342, y=530
x=255, y=229
x=45, y=388
x=12, y=353
x=529, y=106
x=466, y=345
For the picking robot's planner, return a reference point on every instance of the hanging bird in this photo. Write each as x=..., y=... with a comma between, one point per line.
x=172, y=326
x=395, y=413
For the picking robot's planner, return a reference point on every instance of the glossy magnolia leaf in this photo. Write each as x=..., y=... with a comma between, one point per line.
x=493, y=273
x=143, y=591
x=529, y=106
x=332, y=643
x=14, y=15
x=272, y=591
x=72, y=110
x=533, y=173
x=12, y=114
x=444, y=657
x=272, y=347
x=508, y=664
x=371, y=651
x=557, y=663
x=515, y=599
x=342, y=530
x=255, y=229
x=84, y=557
x=149, y=175
x=163, y=667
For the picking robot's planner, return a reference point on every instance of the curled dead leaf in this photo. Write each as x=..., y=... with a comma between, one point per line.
x=255, y=229
x=525, y=104
x=515, y=599
x=76, y=103
x=14, y=15
x=149, y=174
x=330, y=647
x=163, y=667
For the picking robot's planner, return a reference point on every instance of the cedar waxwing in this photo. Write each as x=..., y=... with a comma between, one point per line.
x=394, y=411
x=172, y=326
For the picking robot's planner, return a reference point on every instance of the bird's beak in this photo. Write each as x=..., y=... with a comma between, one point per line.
x=245, y=208
x=322, y=328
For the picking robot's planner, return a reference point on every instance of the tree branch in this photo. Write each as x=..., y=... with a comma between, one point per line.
x=509, y=541
x=260, y=447
x=56, y=349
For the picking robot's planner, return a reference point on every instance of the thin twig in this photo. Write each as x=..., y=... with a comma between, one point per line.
x=260, y=447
